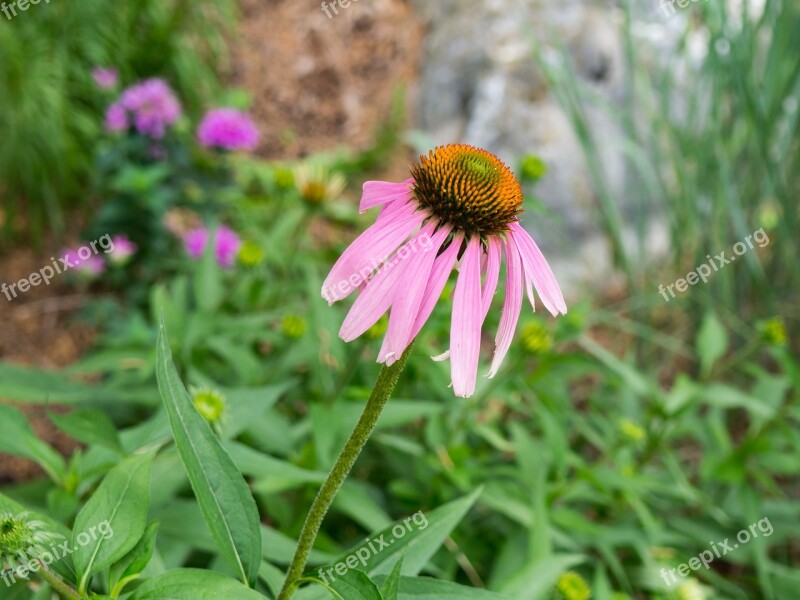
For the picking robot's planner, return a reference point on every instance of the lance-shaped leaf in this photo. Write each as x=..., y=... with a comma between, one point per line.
x=225, y=499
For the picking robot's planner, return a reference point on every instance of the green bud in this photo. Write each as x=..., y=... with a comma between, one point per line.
x=210, y=404
x=293, y=326
x=572, y=586
x=535, y=338
x=250, y=254
x=532, y=168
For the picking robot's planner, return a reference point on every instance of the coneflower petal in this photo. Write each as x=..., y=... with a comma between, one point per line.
x=440, y=273
x=376, y=193
x=465, y=328
x=389, y=209
x=410, y=293
x=492, y=272
x=538, y=272
x=378, y=295
x=511, y=306
x=369, y=250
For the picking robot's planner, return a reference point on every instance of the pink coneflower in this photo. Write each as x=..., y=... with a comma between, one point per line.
x=152, y=105
x=461, y=203
x=105, y=79
x=227, y=244
x=227, y=129
x=123, y=249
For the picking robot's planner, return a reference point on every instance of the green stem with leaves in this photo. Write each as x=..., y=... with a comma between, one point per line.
x=59, y=585
x=387, y=379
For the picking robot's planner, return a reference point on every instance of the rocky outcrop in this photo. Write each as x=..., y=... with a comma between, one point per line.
x=480, y=84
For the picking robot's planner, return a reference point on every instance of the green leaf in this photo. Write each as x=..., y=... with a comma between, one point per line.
x=38, y=386
x=208, y=288
x=246, y=404
x=712, y=342
x=17, y=438
x=89, y=425
x=419, y=537
x=355, y=585
x=182, y=520
x=537, y=580
x=191, y=584
x=357, y=500
x=130, y=566
x=425, y=588
x=272, y=576
x=113, y=519
x=391, y=586
x=633, y=380
x=726, y=396
x=224, y=497
x=271, y=474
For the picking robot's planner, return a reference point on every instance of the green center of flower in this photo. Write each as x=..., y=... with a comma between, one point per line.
x=469, y=188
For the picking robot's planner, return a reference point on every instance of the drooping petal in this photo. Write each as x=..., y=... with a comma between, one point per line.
x=388, y=210
x=538, y=272
x=511, y=306
x=465, y=327
x=492, y=272
x=440, y=273
x=408, y=296
x=376, y=193
x=381, y=291
x=369, y=250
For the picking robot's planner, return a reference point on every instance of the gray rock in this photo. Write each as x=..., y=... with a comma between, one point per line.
x=481, y=85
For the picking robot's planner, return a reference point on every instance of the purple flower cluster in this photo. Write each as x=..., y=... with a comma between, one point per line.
x=149, y=106
x=228, y=129
x=226, y=241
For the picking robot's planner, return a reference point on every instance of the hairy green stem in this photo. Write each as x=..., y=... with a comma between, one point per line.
x=387, y=379
x=58, y=584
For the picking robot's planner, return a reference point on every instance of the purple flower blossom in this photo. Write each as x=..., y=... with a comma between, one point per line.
x=90, y=266
x=152, y=105
x=105, y=79
x=228, y=129
x=116, y=118
x=123, y=249
x=227, y=244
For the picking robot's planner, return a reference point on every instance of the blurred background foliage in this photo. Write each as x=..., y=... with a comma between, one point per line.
x=49, y=118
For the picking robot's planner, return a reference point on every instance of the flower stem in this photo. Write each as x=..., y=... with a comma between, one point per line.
x=58, y=584
x=387, y=379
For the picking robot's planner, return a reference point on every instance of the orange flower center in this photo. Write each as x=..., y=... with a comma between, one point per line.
x=469, y=188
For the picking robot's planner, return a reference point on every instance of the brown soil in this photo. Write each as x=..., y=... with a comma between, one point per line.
x=319, y=83
x=38, y=329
